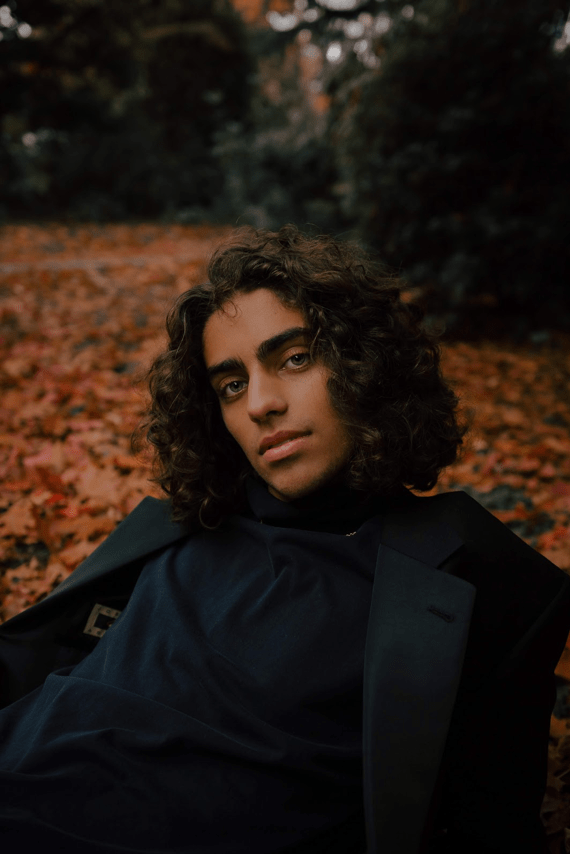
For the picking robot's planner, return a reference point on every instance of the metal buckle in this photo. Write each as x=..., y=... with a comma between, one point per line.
x=100, y=619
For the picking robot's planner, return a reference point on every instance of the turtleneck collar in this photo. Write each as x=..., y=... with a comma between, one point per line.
x=333, y=508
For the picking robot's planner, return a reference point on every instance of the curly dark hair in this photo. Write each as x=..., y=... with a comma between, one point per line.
x=385, y=382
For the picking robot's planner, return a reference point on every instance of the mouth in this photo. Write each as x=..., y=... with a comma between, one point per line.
x=285, y=447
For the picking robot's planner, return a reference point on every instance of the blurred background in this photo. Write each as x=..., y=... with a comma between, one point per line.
x=437, y=133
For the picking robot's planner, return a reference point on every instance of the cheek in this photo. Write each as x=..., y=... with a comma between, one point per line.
x=316, y=389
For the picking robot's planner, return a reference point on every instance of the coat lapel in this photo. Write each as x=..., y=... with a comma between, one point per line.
x=417, y=634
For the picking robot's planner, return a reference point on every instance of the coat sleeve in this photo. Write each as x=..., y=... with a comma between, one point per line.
x=50, y=635
x=493, y=775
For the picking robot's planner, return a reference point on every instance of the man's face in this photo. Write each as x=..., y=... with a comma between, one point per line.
x=257, y=355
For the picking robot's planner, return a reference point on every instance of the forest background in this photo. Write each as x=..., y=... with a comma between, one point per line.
x=134, y=135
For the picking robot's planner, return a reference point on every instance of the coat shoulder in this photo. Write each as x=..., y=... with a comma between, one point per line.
x=484, y=534
x=516, y=585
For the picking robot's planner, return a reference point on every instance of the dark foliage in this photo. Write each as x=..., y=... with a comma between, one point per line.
x=281, y=167
x=454, y=158
x=450, y=159
x=109, y=109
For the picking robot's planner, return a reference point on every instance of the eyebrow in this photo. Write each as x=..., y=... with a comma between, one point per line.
x=264, y=350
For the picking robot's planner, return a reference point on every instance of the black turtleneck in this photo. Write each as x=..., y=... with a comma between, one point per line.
x=335, y=509
x=222, y=711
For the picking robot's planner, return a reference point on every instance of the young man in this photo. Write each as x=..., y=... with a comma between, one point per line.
x=293, y=653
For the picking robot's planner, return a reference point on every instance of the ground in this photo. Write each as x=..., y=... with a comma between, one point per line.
x=82, y=313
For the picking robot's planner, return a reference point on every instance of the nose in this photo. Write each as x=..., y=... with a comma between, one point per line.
x=264, y=397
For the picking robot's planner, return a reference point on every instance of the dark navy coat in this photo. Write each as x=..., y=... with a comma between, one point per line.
x=466, y=626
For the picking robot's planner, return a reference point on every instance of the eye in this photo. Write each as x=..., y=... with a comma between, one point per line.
x=298, y=359
x=230, y=390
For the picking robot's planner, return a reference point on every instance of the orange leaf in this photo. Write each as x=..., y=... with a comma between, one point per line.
x=550, y=538
x=19, y=519
x=563, y=666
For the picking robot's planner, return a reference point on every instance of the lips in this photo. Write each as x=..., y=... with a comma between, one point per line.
x=279, y=439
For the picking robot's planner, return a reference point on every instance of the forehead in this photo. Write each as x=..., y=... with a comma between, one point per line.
x=244, y=322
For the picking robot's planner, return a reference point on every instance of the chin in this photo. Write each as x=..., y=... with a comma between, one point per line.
x=292, y=489
x=289, y=494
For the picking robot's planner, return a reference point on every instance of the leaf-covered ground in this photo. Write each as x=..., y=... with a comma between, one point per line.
x=82, y=313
